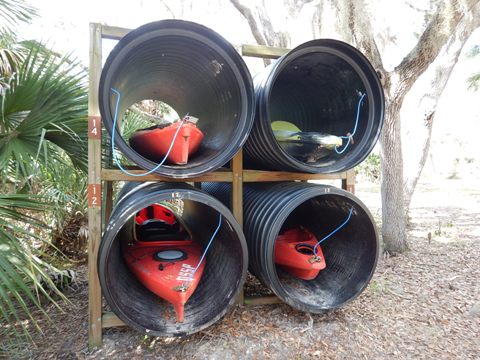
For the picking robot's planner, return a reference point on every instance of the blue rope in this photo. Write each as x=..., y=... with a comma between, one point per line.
x=333, y=232
x=114, y=129
x=350, y=137
x=208, y=246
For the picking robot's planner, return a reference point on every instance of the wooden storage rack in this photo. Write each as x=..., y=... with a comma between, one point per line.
x=100, y=197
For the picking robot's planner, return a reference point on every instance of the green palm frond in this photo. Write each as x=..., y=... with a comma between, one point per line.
x=11, y=56
x=135, y=120
x=3, y=85
x=43, y=107
x=9, y=62
x=48, y=97
x=13, y=12
x=65, y=187
x=22, y=269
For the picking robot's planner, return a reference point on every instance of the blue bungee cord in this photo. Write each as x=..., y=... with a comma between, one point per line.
x=114, y=129
x=333, y=232
x=349, y=137
x=206, y=248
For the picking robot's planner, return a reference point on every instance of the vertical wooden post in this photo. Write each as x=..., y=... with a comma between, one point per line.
x=237, y=187
x=349, y=182
x=94, y=188
x=237, y=196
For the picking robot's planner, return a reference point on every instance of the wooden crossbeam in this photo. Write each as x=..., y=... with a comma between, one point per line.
x=265, y=52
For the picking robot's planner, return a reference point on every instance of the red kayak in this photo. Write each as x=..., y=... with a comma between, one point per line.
x=163, y=257
x=153, y=143
x=294, y=252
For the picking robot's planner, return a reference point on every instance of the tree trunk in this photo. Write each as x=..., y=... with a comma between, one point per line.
x=268, y=37
x=449, y=19
x=393, y=215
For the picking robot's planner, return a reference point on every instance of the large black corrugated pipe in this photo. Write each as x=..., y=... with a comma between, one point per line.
x=350, y=255
x=222, y=278
x=317, y=87
x=195, y=71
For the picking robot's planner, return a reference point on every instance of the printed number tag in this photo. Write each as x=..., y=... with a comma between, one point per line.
x=94, y=195
x=94, y=127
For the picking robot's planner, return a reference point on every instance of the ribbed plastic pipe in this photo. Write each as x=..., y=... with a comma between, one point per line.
x=351, y=254
x=194, y=70
x=225, y=263
x=316, y=87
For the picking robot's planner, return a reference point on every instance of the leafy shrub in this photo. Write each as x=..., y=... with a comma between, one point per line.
x=369, y=169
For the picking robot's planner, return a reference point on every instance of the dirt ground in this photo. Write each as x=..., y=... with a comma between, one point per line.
x=423, y=304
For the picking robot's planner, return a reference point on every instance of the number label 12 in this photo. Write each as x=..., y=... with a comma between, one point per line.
x=94, y=195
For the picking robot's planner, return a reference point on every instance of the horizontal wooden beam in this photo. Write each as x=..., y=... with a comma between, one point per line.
x=221, y=176
x=114, y=32
x=118, y=175
x=261, y=51
x=261, y=300
x=265, y=176
x=109, y=319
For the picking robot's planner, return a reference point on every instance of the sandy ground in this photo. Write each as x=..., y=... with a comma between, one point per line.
x=423, y=304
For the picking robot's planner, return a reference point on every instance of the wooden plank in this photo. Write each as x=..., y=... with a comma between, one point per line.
x=94, y=181
x=109, y=319
x=237, y=187
x=114, y=32
x=349, y=182
x=236, y=165
x=261, y=300
x=262, y=51
x=118, y=175
x=265, y=176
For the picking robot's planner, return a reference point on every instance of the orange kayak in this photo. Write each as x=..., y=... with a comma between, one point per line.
x=163, y=257
x=294, y=253
x=153, y=143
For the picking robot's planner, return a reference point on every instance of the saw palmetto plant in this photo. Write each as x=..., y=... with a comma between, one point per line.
x=12, y=13
x=44, y=106
x=43, y=110
x=23, y=267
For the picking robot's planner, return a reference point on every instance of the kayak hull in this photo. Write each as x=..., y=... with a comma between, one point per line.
x=294, y=253
x=163, y=256
x=174, y=280
x=155, y=143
